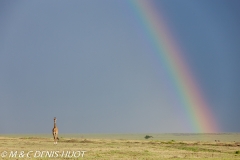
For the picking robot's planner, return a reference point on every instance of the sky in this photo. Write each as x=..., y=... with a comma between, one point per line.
x=92, y=65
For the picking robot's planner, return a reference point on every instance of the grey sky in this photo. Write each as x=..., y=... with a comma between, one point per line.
x=90, y=64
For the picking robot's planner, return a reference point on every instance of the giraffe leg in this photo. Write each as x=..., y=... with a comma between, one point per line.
x=54, y=136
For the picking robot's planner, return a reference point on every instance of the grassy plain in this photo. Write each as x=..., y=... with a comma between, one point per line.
x=121, y=146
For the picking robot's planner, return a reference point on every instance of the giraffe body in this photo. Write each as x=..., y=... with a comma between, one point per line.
x=55, y=131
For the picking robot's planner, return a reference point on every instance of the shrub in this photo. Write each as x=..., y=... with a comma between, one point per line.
x=147, y=137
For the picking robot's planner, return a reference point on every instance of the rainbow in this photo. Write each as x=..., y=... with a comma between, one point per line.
x=198, y=111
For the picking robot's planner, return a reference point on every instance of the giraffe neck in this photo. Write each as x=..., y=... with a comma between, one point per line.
x=55, y=125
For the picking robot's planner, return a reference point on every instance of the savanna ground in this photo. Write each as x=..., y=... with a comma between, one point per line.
x=121, y=146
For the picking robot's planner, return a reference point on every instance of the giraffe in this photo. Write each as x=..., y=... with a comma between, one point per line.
x=55, y=131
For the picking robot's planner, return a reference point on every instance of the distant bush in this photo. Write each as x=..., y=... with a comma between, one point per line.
x=237, y=152
x=147, y=137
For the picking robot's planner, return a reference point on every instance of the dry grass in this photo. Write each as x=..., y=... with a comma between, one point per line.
x=120, y=149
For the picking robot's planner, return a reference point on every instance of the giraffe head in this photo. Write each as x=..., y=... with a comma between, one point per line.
x=55, y=119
